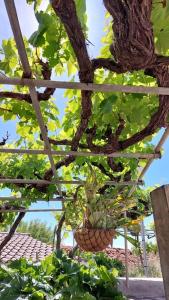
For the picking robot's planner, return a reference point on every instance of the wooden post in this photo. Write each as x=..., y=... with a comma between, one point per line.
x=144, y=249
x=160, y=204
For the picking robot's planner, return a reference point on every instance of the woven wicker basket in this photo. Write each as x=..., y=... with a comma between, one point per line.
x=94, y=240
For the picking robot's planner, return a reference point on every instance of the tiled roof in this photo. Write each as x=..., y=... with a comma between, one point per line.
x=23, y=245
x=117, y=253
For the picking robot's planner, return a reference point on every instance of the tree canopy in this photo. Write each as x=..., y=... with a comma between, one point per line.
x=38, y=230
x=134, y=52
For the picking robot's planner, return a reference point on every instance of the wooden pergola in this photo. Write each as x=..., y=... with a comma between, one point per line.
x=32, y=84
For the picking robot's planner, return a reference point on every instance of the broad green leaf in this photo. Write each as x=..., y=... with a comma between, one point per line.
x=81, y=12
x=131, y=240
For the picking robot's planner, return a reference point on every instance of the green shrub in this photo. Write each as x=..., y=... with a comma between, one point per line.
x=153, y=271
x=58, y=277
x=102, y=259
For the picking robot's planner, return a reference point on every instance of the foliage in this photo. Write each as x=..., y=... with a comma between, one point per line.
x=151, y=252
x=152, y=248
x=37, y=229
x=102, y=259
x=154, y=270
x=160, y=20
x=57, y=277
x=152, y=226
x=112, y=116
x=107, y=210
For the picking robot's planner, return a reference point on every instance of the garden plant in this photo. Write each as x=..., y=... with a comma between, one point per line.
x=59, y=277
x=134, y=52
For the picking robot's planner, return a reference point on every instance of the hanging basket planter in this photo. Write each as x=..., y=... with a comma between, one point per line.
x=93, y=240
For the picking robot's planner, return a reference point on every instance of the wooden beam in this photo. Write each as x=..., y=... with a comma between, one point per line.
x=12, y=15
x=160, y=204
x=76, y=182
x=106, y=88
x=20, y=199
x=83, y=153
x=157, y=149
x=29, y=210
x=13, y=18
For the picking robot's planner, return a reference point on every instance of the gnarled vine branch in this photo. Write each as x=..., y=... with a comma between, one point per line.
x=132, y=49
x=12, y=230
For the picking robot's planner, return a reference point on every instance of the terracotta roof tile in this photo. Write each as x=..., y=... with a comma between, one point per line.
x=116, y=253
x=23, y=245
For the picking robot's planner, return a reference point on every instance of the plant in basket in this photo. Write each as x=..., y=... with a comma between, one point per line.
x=102, y=214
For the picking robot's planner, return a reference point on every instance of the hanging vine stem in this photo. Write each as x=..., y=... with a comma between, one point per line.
x=58, y=231
x=12, y=230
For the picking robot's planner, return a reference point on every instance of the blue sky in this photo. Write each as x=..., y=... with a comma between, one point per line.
x=158, y=173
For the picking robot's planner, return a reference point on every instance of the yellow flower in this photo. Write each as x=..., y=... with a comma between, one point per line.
x=134, y=222
x=137, y=221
